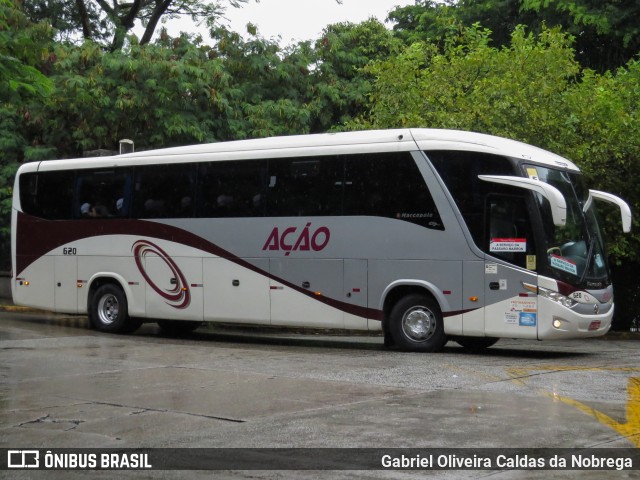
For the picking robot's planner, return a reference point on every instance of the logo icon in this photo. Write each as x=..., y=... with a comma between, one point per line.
x=23, y=459
x=178, y=296
x=290, y=240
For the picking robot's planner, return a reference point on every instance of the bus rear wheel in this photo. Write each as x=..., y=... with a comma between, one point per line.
x=416, y=324
x=108, y=311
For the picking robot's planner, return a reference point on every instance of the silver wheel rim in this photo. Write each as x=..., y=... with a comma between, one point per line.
x=108, y=309
x=419, y=324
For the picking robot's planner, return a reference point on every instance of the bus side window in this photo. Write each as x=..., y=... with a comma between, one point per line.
x=305, y=186
x=231, y=189
x=102, y=194
x=50, y=195
x=459, y=171
x=28, y=193
x=164, y=191
x=509, y=230
x=389, y=185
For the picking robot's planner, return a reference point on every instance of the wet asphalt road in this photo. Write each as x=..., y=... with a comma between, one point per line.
x=63, y=385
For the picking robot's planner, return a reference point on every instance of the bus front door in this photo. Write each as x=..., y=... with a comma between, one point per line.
x=511, y=310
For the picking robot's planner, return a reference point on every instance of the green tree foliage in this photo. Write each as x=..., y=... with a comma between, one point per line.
x=607, y=33
x=512, y=91
x=601, y=132
x=340, y=84
x=433, y=21
x=174, y=92
x=301, y=88
x=162, y=95
x=69, y=19
x=267, y=93
x=108, y=23
x=22, y=50
x=23, y=58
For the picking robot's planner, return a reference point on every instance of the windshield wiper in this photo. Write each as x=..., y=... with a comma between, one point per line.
x=585, y=223
x=587, y=265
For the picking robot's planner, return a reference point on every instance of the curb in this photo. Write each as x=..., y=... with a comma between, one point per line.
x=16, y=308
x=9, y=307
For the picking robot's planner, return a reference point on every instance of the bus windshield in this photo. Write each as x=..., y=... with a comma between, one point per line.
x=575, y=252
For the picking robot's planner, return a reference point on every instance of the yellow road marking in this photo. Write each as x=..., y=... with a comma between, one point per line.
x=630, y=429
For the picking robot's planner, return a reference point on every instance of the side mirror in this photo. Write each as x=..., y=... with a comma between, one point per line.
x=625, y=211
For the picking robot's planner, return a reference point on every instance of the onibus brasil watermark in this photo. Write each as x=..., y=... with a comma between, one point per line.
x=499, y=462
x=614, y=459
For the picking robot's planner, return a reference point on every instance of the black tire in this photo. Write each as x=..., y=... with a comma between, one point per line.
x=177, y=327
x=476, y=344
x=416, y=324
x=108, y=311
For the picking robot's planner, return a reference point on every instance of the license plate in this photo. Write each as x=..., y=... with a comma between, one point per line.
x=595, y=325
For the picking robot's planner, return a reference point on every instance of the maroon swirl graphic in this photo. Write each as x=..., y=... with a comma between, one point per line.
x=179, y=295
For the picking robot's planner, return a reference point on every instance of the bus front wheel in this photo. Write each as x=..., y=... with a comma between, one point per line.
x=108, y=311
x=416, y=324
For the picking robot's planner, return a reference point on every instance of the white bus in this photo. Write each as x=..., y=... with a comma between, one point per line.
x=427, y=235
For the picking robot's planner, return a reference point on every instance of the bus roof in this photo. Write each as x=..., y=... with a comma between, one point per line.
x=435, y=139
x=327, y=143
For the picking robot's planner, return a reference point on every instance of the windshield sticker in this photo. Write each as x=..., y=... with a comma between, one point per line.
x=508, y=245
x=533, y=173
x=531, y=262
x=599, y=261
x=563, y=264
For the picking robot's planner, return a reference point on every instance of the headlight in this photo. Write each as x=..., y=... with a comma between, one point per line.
x=551, y=295
x=567, y=302
x=556, y=297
